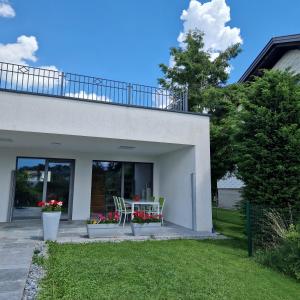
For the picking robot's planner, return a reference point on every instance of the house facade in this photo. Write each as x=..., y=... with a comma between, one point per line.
x=82, y=140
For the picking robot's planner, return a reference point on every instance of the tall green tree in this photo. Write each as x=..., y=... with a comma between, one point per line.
x=205, y=78
x=268, y=141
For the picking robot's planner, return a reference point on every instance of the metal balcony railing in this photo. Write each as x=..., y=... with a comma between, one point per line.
x=51, y=82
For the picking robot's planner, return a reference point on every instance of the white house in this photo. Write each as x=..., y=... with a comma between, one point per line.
x=95, y=138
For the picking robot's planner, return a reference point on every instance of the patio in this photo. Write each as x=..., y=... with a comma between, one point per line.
x=75, y=232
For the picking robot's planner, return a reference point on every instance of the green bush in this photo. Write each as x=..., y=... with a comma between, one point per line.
x=284, y=257
x=268, y=140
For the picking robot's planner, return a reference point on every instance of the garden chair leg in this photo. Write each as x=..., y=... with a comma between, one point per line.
x=124, y=220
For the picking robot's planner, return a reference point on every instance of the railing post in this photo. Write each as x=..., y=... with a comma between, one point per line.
x=186, y=94
x=62, y=84
x=249, y=228
x=129, y=92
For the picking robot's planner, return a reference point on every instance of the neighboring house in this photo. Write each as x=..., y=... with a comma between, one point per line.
x=281, y=53
x=95, y=138
x=229, y=192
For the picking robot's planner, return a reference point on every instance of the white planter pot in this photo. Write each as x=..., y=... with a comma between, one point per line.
x=102, y=230
x=50, y=225
x=145, y=228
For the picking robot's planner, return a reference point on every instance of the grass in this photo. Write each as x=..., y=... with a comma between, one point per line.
x=229, y=223
x=179, y=269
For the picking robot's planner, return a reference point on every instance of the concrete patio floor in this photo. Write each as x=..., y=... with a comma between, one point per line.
x=18, y=240
x=76, y=232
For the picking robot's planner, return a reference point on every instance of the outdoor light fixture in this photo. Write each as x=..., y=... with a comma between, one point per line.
x=127, y=147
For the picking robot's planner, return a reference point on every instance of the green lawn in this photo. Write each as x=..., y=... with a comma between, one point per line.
x=181, y=269
x=229, y=223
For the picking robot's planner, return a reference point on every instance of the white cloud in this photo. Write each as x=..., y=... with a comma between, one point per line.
x=88, y=96
x=21, y=51
x=211, y=18
x=6, y=10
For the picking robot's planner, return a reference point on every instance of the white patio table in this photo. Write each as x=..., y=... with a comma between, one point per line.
x=142, y=202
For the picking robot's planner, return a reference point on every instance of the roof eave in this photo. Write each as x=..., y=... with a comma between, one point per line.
x=283, y=41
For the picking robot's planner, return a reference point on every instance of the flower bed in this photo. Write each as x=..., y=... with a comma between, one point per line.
x=103, y=226
x=141, y=217
x=145, y=224
x=111, y=218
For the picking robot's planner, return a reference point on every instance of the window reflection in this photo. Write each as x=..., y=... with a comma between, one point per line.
x=122, y=179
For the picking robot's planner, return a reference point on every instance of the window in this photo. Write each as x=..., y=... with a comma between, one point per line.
x=122, y=179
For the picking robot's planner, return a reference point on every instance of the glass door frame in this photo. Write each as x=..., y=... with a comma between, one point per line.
x=72, y=173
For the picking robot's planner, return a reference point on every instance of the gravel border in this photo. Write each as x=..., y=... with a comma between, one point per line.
x=36, y=273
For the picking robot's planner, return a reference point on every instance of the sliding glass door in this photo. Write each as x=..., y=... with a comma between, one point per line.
x=42, y=179
x=58, y=185
x=106, y=182
x=122, y=179
x=29, y=187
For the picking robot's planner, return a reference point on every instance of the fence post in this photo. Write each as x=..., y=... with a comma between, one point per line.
x=129, y=93
x=186, y=96
x=62, y=84
x=249, y=228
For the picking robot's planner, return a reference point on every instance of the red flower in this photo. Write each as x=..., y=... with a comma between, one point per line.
x=136, y=197
x=41, y=203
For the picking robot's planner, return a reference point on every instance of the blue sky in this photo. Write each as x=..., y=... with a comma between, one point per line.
x=126, y=40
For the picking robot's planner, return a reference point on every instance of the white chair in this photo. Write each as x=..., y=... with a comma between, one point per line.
x=117, y=207
x=153, y=209
x=161, y=208
x=124, y=210
x=116, y=203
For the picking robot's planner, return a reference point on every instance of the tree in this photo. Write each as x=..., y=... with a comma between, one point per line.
x=268, y=141
x=205, y=78
x=223, y=106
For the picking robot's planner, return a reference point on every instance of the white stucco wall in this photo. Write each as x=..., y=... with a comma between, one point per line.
x=31, y=113
x=175, y=185
x=7, y=165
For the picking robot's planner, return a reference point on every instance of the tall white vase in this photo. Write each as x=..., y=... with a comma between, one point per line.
x=50, y=225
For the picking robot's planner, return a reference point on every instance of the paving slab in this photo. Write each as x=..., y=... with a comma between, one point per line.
x=10, y=296
x=15, y=260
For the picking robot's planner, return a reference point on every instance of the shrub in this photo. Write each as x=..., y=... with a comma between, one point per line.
x=283, y=253
x=268, y=140
x=284, y=258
